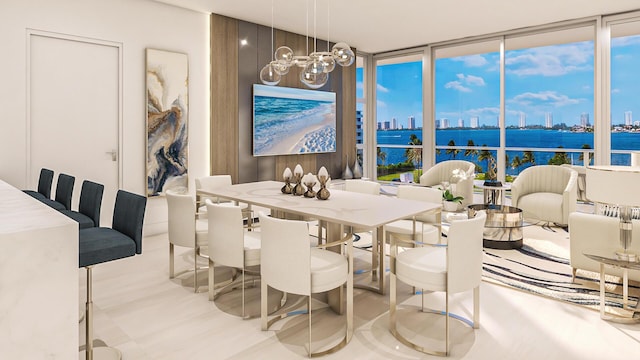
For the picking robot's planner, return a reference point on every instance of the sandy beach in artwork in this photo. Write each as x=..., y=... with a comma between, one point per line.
x=320, y=138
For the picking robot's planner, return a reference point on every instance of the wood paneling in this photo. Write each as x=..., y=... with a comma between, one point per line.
x=230, y=107
x=224, y=96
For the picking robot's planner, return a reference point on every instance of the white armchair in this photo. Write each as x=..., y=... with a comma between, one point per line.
x=546, y=192
x=598, y=234
x=443, y=171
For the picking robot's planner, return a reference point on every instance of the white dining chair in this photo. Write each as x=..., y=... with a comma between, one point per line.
x=212, y=182
x=291, y=265
x=185, y=230
x=453, y=268
x=231, y=245
x=423, y=228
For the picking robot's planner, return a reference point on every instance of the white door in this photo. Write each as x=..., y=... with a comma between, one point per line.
x=74, y=112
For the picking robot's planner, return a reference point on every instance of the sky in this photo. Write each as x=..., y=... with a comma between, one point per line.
x=556, y=79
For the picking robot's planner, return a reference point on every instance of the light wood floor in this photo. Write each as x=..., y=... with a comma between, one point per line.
x=143, y=313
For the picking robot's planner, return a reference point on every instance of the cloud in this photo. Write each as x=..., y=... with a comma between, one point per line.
x=615, y=91
x=359, y=85
x=456, y=85
x=472, y=60
x=382, y=88
x=625, y=40
x=545, y=98
x=381, y=103
x=553, y=60
x=464, y=83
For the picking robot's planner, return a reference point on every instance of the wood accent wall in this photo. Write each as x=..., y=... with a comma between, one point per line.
x=231, y=105
x=224, y=96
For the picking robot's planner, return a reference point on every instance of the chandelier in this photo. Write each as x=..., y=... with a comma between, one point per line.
x=315, y=66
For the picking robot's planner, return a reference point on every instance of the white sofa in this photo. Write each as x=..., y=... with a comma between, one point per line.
x=443, y=171
x=598, y=234
x=546, y=192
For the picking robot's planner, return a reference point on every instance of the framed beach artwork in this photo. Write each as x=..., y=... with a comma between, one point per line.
x=167, y=121
x=293, y=121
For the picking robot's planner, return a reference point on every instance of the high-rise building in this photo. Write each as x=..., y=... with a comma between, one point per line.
x=394, y=123
x=460, y=123
x=411, y=123
x=359, y=128
x=628, y=118
x=437, y=124
x=548, y=120
x=584, y=119
x=523, y=121
x=474, y=122
x=444, y=124
x=379, y=125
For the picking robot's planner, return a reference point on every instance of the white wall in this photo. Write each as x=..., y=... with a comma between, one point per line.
x=137, y=24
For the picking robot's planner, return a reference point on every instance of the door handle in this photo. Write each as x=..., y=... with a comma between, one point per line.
x=114, y=155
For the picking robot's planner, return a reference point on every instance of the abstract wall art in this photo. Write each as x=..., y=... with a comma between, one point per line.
x=167, y=121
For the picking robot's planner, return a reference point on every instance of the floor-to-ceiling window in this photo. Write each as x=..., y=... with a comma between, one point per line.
x=399, y=117
x=549, y=98
x=361, y=110
x=625, y=90
x=467, y=103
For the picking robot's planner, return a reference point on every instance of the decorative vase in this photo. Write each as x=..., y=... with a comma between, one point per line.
x=357, y=170
x=286, y=189
x=323, y=177
x=347, y=174
x=298, y=189
x=450, y=206
x=309, y=181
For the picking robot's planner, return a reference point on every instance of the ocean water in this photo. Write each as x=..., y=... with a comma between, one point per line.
x=276, y=119
x=526, y=138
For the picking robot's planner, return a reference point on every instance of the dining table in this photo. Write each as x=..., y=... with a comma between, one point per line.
x=341, y=211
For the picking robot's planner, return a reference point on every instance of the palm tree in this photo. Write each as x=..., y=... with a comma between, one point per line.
x=516, y=163
x=487, y=155
x=471, y=152
x=581, y=158
x=453, y=152
x=382, y=156
x=559, y=158
x=414, y=155
x=527, y=157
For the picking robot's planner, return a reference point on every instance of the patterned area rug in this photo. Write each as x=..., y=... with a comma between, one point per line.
x=542, y=267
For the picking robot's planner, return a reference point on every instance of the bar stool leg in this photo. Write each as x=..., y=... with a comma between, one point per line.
x=102, y=352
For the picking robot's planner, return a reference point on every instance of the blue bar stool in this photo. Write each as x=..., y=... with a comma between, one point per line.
x=100, y=244
x=88, y=214
x=44, y=185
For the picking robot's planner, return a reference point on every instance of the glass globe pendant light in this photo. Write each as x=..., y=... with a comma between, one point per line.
x=271, y=73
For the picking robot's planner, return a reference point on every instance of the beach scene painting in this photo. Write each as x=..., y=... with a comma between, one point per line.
x=293, y=121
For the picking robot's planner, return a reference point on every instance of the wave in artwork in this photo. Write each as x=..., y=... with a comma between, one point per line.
x=293, y=121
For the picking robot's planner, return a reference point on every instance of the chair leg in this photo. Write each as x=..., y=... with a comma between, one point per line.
x=171, y=262
x=243, y=271
x=211, y=280
x=263, y=305
x=309, y=307
x=195, y=269
x=573, y=274
x=446, y=337
x=476, y=307
x=102, y=352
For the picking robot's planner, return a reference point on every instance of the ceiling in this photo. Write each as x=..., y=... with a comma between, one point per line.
x=375, y=26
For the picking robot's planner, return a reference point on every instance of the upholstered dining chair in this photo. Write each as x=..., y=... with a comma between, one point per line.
x=44, y=185
x=546, y=193
x=371, y=188
x=88, y=214
x=453, y=268
x=186, y=230
x=101, y=244
x=215, y=181
x=230, y=245
x=64, y=192
x=423, y=228
x=291, y=265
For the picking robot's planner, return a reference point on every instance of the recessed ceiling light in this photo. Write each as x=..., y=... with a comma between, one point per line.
x=243, y=42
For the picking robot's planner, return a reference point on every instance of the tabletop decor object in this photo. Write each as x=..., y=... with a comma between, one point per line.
x=323, y=177
x=309, y=181
x=298, y=189
x=287, y=189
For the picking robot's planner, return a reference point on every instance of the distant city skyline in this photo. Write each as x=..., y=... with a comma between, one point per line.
x=551, y=83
